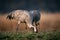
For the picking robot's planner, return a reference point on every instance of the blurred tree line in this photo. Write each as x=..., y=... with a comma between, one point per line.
x=46, y=5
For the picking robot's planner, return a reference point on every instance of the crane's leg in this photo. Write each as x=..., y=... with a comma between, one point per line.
x=17, y=26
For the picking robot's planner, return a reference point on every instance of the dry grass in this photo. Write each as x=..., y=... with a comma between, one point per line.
x=48, y=22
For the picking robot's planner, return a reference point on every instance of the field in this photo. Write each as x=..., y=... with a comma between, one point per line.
x=30, y=36
x=48, y=22
x=48, y=29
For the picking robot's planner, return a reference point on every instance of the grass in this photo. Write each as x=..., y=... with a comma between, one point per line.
x=30, y=36
x=49, y=22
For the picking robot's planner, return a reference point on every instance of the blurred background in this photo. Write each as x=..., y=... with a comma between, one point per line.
x=49, y=9
x=43, y=5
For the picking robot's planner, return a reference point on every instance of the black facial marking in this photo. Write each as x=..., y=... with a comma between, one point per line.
x=10, y=17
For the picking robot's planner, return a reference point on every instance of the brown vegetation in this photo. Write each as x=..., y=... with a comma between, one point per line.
x=48, y=22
